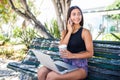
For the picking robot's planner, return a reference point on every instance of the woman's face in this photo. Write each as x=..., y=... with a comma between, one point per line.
x=76, y=16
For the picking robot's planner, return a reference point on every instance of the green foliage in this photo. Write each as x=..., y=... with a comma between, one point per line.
x=17, y=32
x=3, y=10
x=53, y=28
x=4, y=38
x=25, y=35
x=8, y=15
x=114, y=6
x=6, y=12
x=110, y=37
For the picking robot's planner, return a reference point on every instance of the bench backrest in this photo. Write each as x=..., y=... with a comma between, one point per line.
x=105, y=65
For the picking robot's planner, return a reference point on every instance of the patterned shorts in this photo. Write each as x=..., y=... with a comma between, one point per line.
x=80, y=63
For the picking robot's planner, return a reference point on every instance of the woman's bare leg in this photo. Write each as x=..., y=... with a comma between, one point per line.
x=42, y=73
x=74, y=75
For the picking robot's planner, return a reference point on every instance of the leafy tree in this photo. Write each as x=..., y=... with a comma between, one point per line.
x=26, y=13
x=116, y=17
x=114, y=6
x=61, y=7
x=6, y=12
x=23, y=9
x=7, y=17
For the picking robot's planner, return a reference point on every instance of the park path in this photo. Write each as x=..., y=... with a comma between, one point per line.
x=5, y=73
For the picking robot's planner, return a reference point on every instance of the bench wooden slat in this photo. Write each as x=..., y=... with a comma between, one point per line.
x=107, y=42
x=106, y=50
x=103, y=63
x=101, y=76
x=106, y=61
x=107, y=55
x=116, y=47
x=104, y=71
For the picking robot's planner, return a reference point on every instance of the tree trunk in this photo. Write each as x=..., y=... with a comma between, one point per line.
x=61, y=8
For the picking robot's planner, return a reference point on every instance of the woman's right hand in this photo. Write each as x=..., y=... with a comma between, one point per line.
x=70, y=26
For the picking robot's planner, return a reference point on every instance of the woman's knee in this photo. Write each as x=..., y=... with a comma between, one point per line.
x=52, y=76
x=42, y=72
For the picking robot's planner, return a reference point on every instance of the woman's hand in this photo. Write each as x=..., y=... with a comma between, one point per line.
x=66, y=54
x=70, y=26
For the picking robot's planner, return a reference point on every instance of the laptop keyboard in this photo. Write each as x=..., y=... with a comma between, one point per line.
x=60, y=68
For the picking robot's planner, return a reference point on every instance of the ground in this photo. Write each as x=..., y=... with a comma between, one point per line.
x=10, y=53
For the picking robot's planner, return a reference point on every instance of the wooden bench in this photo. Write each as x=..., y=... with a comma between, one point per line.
x=105, y=64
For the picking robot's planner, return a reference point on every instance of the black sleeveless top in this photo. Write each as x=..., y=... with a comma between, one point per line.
x=76, y=43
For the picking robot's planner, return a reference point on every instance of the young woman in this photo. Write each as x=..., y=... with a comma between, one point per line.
x=79, y=48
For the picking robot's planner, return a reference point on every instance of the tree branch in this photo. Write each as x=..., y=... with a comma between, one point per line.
x=24, y=3
x=18, y=11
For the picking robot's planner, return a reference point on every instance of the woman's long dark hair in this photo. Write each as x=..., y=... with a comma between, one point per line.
x=69, y=13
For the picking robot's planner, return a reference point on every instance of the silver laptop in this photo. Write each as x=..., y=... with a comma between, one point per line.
x=57, y=66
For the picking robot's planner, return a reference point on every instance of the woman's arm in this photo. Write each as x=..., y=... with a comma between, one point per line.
x=87, y=37
x=89, y=47
x=66, y=34
x=65, y=37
